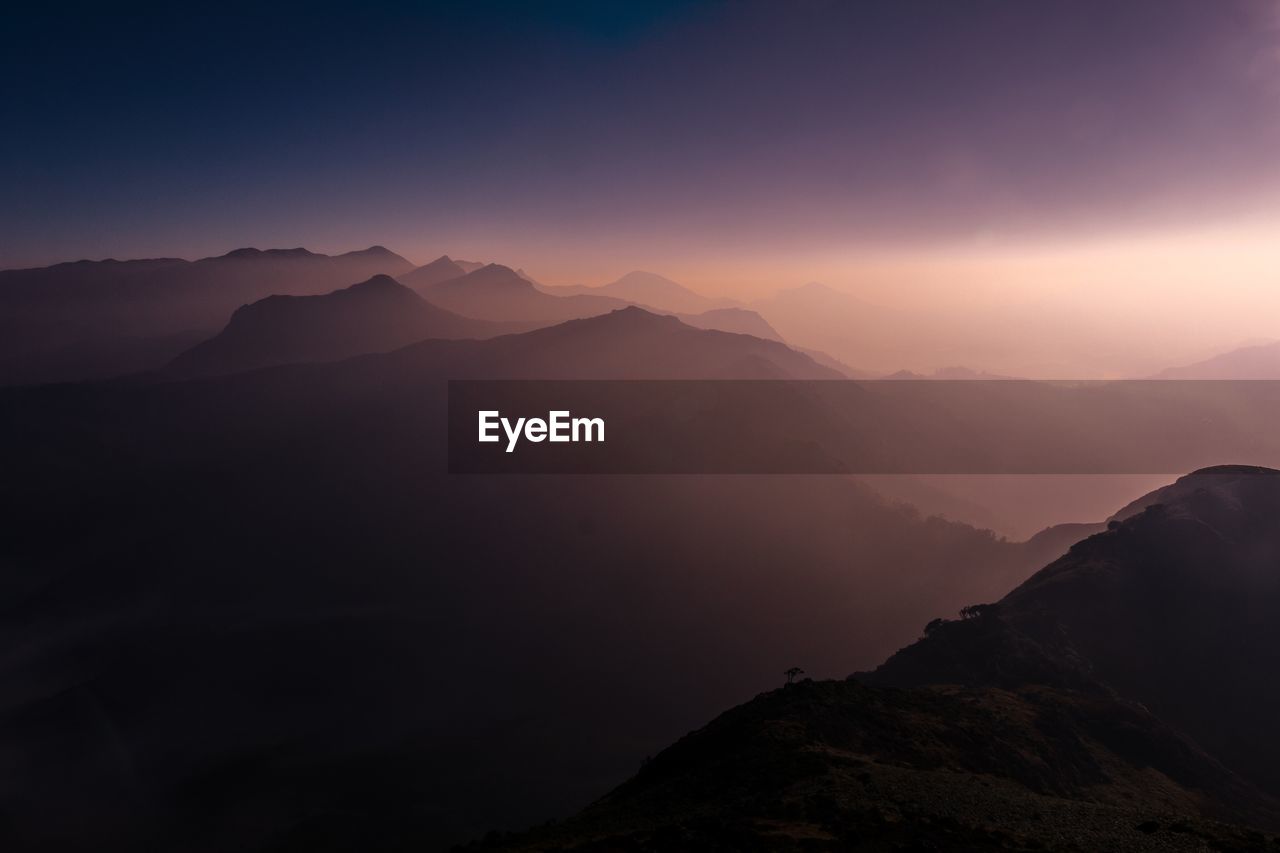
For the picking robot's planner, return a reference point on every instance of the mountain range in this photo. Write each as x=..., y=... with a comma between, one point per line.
x=95, y=319
x=98, y=319
x=496, y=292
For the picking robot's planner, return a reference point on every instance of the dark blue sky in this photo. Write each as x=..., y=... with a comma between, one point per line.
x=540, y=132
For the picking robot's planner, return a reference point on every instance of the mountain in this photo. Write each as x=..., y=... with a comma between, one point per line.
x=101, y=318
x=950, y=374
x=834, y=766
x=737, y=320
x=1173, y=606
x=649, y=289
x=374, y=316
x=495, y=292
x=97, y=319
x=834, y=363
x=1120, y=698
x=628, y=343
x=441, y=269
x=1253, y=362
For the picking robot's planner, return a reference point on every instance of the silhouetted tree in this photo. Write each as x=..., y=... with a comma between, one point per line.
x=793, y=673
x=973, y=611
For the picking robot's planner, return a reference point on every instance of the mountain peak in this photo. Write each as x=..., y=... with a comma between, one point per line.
x=635, y=317
x=378, y=314
x=814, y=287
x=251, y=252
x=379, y=282
x=380, y=254
x=1230, y=470
x=653, y=290
x=374, y=250
x=491, y=275
x=430, y=274
x=645, y=277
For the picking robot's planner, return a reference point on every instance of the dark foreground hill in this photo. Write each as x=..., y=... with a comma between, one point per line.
x=835, y=766
x=1120, y=699
x=1176, y=607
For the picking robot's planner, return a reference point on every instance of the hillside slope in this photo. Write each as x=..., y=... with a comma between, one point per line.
x=833, y=766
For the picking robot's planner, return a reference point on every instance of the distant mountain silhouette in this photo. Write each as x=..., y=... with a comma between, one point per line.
x=100, y=318
x=737, y=320
x=1254, y=362
x=381, y=315
x=97, y=319
x=827, y=360
x=441, y=269
x=374, y=316
x=495, y=292
x=628, y=343
x=649, y=289
x=950, y=374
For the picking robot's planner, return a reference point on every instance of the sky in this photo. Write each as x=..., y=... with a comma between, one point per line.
x=910, y=149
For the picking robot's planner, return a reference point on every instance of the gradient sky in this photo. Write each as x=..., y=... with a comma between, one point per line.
x=736, y=146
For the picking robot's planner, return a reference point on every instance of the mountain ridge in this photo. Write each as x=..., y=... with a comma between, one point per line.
x=95, y=319
x=886, y=760
x=376, y=315
x=649, y=289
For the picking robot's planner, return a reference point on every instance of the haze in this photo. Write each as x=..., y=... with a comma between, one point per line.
x=1105, y=166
